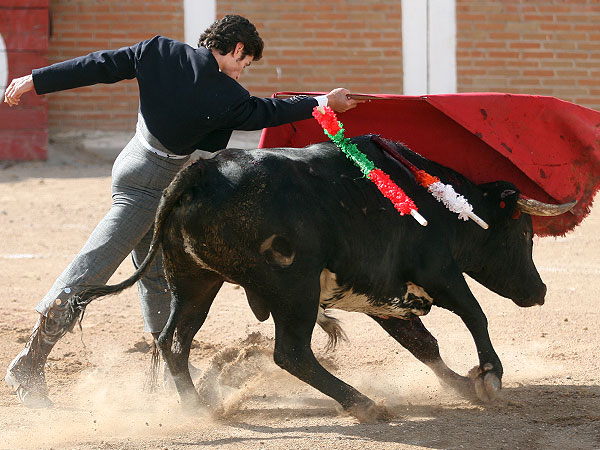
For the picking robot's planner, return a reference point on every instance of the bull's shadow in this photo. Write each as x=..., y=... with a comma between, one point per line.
x=525, y=417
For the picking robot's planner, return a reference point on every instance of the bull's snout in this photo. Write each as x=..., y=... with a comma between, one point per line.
x=537, y=298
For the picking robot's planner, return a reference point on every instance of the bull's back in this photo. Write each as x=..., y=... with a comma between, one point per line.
x=282, y=184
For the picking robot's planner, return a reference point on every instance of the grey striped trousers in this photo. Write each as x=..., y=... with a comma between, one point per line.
x=138, y=179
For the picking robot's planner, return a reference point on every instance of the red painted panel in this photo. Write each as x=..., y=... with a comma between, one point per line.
x=24, y=29
x=22, y=118
x=16, y=145
x=22, y=63
x=24, y=3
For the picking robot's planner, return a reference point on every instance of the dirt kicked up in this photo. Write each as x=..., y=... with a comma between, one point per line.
x=551, y=386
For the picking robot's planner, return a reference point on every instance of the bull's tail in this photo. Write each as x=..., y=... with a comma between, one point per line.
x=87, y=293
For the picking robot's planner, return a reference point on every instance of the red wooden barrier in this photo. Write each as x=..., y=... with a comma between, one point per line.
x=24, y=26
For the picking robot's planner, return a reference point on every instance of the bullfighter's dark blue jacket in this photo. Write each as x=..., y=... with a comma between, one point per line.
x=186, y=102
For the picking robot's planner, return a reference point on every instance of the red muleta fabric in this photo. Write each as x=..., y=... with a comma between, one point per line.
x=549, y=148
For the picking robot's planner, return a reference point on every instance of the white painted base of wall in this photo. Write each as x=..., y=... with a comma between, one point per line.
x=429, y=46
x=3, y=68
x=198, y=16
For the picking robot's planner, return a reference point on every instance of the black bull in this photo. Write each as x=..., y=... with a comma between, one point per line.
x=301, y=230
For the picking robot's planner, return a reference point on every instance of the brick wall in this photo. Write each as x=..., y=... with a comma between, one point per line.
x=315, y=45
x=533, y=47
x=79, y=27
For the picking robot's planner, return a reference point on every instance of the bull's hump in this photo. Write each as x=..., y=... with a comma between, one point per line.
x=410, y=302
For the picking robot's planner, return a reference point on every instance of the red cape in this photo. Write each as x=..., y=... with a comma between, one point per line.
x=549, y=148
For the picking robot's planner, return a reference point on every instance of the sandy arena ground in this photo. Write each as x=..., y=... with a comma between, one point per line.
x=550, y=399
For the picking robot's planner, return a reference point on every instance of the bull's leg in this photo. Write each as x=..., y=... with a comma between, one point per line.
x=489, y=379
x=452, y=292
x=193, y=295
x=294, y=324
x=417, y=339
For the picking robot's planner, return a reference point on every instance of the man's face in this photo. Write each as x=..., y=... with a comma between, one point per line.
x=235, y=62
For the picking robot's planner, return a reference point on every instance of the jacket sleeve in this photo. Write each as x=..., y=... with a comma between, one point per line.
x=255, y=113
x=105, y=66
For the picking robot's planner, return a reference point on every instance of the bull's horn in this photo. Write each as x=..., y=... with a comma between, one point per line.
x=537, y=208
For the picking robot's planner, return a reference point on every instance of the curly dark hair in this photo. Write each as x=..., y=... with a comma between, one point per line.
x=224, y=34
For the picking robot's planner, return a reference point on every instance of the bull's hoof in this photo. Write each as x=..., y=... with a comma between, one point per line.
x=487, y=385
x=370, y=413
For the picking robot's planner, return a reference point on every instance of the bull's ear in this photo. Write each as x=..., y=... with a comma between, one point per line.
x=501, y=197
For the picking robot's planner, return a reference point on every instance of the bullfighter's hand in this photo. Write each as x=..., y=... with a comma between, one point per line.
x=16, y=88
x=338, y=100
